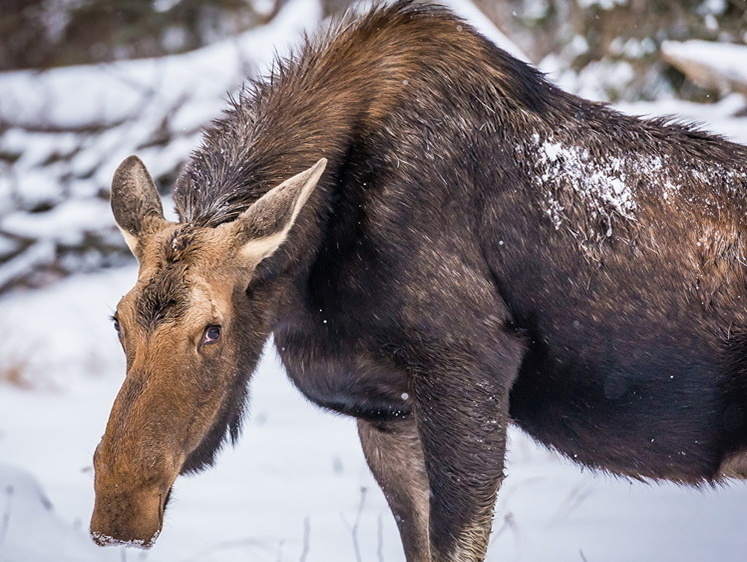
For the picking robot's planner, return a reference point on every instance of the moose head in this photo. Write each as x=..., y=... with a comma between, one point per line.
x=191, y=335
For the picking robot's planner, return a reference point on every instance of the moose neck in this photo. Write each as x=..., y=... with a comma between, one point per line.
x=277, y=128
x=324, y=104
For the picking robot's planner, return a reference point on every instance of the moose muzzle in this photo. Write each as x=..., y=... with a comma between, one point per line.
x=132, y=485
x=134, y=518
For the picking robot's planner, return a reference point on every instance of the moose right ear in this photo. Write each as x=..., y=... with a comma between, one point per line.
x=135, y=200
x=264, y=226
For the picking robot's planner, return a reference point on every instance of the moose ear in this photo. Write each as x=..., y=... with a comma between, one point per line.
x=135, y=200
x=263, y=227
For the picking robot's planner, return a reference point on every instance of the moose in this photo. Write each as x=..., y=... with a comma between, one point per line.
x=441, y=243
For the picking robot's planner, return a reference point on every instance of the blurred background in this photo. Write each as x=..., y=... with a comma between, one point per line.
x=85, y=83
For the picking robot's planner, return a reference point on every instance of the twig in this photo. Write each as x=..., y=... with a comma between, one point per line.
x=6, y=515
x=306, y=539
x=508, y=524
x=380, y=538
x=354, y=530
x=575, y=498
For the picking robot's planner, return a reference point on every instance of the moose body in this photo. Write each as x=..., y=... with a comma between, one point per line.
x=476, y=248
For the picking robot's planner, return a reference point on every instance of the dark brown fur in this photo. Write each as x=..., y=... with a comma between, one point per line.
x=481, y=249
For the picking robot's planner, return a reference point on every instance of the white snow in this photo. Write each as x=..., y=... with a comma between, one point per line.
x=607, y=185
x=602, y=184
x=37, y=254
x=63, y=221
x=601, y=4
x=30, y=531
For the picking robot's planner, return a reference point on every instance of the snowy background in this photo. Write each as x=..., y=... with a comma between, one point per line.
x=296, y=488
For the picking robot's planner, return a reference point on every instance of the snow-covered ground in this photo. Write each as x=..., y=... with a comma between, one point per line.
x=297, y=488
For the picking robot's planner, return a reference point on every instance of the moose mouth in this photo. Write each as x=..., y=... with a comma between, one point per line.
x=121, y=531
x=102, y=539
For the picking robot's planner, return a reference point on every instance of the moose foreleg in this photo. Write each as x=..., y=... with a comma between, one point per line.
x=463, y=416
x=395, y=455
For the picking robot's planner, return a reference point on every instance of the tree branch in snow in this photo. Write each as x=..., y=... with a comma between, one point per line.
x=717, y=66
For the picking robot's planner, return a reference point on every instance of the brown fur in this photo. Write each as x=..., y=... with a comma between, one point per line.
x=405, y=484
x=482, y=248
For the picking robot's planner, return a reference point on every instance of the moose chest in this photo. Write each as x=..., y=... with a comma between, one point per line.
x=338, y=326
x=339, y=367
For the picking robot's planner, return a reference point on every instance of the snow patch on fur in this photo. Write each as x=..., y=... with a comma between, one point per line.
x=604, y=184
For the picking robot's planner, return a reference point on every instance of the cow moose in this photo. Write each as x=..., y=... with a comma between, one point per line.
x=441, y=243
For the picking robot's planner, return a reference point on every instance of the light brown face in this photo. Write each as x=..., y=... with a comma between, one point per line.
x=176, y=329
x=189, y=333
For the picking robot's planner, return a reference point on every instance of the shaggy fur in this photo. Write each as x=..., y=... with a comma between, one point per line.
x=482, y=249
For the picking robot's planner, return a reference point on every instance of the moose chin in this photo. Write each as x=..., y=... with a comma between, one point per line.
x=441, y=243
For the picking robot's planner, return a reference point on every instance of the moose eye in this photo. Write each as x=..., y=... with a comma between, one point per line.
x=211, y=335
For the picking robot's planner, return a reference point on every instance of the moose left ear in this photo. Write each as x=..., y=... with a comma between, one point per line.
x=264, y=226
x=135, y=201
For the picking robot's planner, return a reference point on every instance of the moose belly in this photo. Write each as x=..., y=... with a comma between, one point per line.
x=350, y=382
x=659, y=418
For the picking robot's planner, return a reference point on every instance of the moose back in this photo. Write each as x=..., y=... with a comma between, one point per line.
x=441, y=243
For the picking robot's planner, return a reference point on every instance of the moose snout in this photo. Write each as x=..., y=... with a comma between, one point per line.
x=133, y=518
x=130, y=498
x=135, y=466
